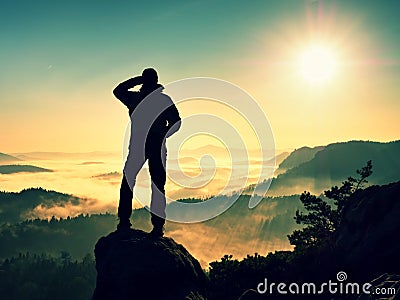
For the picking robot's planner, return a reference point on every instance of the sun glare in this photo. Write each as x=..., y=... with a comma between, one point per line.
x=317, y=64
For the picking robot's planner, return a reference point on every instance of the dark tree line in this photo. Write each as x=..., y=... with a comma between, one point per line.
x=42, y=277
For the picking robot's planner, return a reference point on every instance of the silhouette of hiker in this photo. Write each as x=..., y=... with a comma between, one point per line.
x=154, y=117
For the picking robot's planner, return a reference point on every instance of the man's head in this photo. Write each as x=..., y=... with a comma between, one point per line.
x=149, y=76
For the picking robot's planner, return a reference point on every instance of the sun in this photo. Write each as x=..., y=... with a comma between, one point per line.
x=317, y=64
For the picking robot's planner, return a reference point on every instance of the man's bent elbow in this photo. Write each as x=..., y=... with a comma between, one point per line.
x=117, y=92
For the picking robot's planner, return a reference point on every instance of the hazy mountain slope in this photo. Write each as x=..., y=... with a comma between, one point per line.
x=17, y=207
x=336, y=162
x=339, y=160
x=299, y=156
x=95, y=155
x=5, y=158
x=281, y=157
x=11, y=169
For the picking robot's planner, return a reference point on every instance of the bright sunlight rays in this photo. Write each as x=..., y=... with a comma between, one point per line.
x=317, y=64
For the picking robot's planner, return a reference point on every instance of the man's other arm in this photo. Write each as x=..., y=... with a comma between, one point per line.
x=174, y=120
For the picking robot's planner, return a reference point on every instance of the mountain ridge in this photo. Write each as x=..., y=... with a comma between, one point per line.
x=299, y=156
x=12, y=169
x=8, y=158
x=335, y=162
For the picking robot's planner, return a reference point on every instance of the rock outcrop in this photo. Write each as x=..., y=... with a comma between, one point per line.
x=388, y=287
x=367, y=238
x=131, y=264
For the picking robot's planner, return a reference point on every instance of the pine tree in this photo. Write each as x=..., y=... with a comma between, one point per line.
x=321, y=218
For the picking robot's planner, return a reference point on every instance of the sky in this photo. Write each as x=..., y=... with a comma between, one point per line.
x=60, y=61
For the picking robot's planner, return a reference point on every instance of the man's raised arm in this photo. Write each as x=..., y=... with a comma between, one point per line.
x=122, y=90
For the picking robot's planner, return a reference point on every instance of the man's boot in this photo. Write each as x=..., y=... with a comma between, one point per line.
x=124, y=224
x=158, y=226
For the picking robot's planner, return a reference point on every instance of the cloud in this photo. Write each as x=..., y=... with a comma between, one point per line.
x=69, y=209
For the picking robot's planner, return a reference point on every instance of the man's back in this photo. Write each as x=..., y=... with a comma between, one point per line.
x=151, y=111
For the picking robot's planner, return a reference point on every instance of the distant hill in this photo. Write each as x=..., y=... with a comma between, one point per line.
x=281, y=157
x=5, y=158
x=335, y=162
x=85, y=156
x=17, y=207
x=299, y=156
x=10, y=169
x=221, y=152
x=107, y=176
x=91, y=163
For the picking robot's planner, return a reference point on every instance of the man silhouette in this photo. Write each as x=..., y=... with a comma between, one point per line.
x=154, y=117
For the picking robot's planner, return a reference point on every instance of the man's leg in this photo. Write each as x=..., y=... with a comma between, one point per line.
x=125, y=204
x=157, y=160
x=132, y=167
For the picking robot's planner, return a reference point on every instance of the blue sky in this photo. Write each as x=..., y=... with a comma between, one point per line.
x=58, y=55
